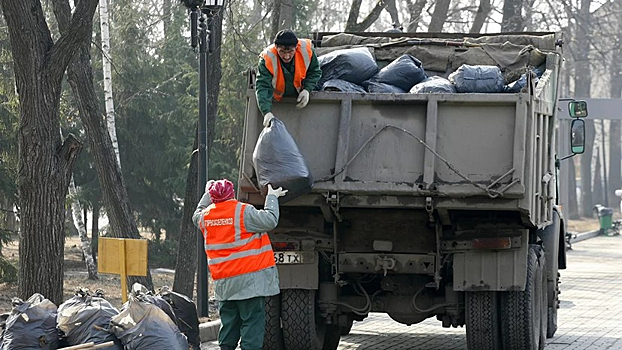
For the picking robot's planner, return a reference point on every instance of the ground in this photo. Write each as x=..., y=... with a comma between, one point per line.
x=76, y=276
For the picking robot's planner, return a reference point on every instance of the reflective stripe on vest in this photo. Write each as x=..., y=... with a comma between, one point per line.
x=230, y=249
x=302, y=60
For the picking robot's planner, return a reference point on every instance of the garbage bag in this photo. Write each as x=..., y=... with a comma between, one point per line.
x=144, y=294
x=186, y=312
x=518, y=85
x=404, y=72
x=142, y=325
x=341, y=85
x=434, y=85
x=353, y=65
x=31, y=325
x=84, y=318
x=383, y=88
x=478, y=79
x=278, y=161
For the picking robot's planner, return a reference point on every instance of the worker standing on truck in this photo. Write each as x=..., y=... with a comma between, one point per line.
x=240, y=260
x=289, y=67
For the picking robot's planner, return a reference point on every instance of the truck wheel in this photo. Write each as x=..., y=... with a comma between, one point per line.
x=345, y=330
x=273, y=336
x=332, y=337
x=482, y=320
x=523, y=317
x=303, y=326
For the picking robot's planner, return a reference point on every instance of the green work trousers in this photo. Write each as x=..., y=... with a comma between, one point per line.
x=245, y=319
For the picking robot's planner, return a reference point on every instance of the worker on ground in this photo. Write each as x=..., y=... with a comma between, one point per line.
x=289, y=67
x=240, y=260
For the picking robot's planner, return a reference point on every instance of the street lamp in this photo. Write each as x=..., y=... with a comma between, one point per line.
x=200, y=36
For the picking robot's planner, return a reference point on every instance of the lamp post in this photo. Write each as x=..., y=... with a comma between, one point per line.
x=200, y=36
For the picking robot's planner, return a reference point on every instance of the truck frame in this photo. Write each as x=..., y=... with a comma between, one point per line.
x=424, y=205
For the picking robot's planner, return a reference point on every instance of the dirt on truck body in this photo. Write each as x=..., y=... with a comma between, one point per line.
x=424, y=205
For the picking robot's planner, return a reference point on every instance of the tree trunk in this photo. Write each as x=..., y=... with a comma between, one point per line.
x=439, y=16
x=573, y=206
x=587, y=201
x=392, y=10
x=414, y=11
x=95, y=230
x=116, y=200
x=512, y=17
x=483, y=11
x=615, y=132
x=282, y=14
x=353, y=26
x=85, y=245
x=45, y=161
x=186, y=265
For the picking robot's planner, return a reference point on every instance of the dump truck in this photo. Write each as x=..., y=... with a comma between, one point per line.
x=423, y=205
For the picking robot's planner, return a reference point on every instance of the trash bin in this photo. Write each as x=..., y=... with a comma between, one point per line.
x=605, y=218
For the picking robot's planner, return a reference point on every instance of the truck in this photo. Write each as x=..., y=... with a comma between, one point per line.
x=423, y=205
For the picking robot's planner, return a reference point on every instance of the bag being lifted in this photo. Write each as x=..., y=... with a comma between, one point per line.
x=30, y=325
x=141, y=325
x=84, y=318
x=278, y=161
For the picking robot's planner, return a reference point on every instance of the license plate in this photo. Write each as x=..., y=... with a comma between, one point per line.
x=287, y=258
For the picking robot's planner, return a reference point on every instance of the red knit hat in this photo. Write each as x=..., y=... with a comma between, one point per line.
x=221, y=190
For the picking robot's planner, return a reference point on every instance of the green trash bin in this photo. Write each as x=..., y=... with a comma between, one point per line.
x=605, y=218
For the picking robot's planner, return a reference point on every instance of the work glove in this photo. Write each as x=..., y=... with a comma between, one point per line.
x=208, y=184
x=267, y=118
x=279, y=192
x=303, y=99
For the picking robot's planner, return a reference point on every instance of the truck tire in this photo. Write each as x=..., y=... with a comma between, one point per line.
x=332, y=337
x=345, y=330
x=273, y=336
x=303, y=327
x=482, y=320
x=523, y=314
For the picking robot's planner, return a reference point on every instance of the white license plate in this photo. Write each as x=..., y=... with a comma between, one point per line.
x=287, y=258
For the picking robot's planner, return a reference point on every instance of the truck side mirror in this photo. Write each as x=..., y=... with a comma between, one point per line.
x=577, y=136
x=577, y=109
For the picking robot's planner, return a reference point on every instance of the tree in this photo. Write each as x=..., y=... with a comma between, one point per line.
x=414, y=10
x=439, y=16
x=512, y=17
x=483, y=11
x=352, y=24
x=45, y=161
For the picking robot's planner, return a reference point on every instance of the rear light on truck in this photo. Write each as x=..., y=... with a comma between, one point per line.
x=284, y=246
x=492, y=243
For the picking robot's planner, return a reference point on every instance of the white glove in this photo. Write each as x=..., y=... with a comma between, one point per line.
x=267, y=118
x=279, y=192
x=208, y=184
x=303, y=99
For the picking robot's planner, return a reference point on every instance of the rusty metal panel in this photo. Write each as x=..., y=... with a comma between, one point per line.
x=491, y=270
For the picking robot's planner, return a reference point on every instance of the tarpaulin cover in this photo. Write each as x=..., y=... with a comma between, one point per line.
x=141, y=325
x=278, y=161
x=353, y=65
x=186, y=312
x=341, y=86
x=404, y=72
x=434, y=85
x=477, y=79
x=78, y=316
x=31, y=325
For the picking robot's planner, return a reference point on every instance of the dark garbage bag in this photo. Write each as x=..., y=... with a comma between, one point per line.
x=518, y=85
x=404, y=72
x=353, y=65
x=341, y=86
x=278, y=161
x=85, y=318
x=30, y=325
x=477, y=79
x=434, y=85
x=186, y=312
x=383, y=88
x=141, y=325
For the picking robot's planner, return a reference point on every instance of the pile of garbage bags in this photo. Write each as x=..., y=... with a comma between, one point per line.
x=147, y=321
x=349, y=64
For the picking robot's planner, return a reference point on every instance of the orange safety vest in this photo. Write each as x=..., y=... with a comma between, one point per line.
x=302, y=60
x=230, y=249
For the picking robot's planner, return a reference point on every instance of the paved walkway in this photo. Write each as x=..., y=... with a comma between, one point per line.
x=590, y=317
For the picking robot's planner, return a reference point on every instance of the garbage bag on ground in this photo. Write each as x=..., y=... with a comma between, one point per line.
x=30, y=325
x=434, y=85
x=186, y=312
x=478, y=79
x=384, y=88
x=404, y=72
x=141, y=325
x=341, y=85
x=84, y=318
x=278, y=161
x=353, y=65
